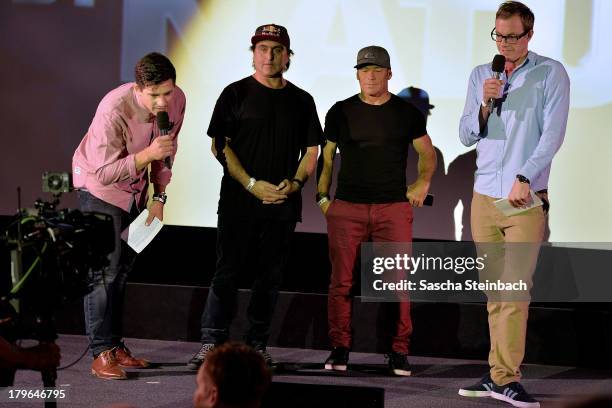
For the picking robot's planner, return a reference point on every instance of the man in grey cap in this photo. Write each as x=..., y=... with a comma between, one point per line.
x=373, y=130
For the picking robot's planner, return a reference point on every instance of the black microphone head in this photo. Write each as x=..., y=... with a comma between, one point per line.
x=499, y=61
x=163, y=121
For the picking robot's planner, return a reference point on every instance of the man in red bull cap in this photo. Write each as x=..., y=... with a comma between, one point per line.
x=265, y=132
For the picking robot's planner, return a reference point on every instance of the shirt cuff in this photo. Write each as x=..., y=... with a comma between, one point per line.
x=474, y=126
x=131, y=164
x=529, y=170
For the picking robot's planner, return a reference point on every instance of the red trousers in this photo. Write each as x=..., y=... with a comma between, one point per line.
x=348, y=225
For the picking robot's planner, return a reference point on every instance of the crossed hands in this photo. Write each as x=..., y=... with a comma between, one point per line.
x=269, y=193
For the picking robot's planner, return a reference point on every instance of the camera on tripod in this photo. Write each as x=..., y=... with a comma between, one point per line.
x=53, y=252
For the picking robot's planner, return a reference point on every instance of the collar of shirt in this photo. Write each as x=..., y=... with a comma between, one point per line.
x=527, y=63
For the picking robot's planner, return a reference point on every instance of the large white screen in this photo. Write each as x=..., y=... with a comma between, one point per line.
x=433, y=45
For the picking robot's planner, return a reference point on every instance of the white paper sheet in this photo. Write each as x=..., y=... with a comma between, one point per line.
x=138, y=235
x=508, y=210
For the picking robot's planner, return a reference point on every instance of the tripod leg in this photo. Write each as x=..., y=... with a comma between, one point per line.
x=48, y=378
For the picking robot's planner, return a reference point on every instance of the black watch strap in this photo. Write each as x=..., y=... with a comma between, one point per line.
x=161, y=197
x=522, y=179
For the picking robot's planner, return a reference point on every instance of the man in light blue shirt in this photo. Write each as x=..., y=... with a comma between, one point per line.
x=525, y=129
x=516, y=142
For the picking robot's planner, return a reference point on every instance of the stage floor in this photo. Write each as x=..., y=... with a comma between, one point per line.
x=434, y=383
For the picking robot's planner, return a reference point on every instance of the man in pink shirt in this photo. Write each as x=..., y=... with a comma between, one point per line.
x=110, y=170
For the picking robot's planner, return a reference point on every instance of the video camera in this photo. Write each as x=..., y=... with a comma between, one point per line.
x=53, y=252
x=54, y=249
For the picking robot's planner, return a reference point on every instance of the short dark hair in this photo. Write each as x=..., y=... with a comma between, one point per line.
x=239, y=373
x=513, y=8
x=289, y=51
x=153, y=69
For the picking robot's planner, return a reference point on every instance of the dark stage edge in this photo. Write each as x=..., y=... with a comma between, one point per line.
x=434, y=383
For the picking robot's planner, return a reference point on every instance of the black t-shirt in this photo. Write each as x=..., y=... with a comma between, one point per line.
x=373, y=142
x=269, y=129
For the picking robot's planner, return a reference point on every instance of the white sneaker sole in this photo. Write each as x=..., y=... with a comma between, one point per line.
x=520, y=404
x=335, y=367
x=402, y=373
x=470, y=393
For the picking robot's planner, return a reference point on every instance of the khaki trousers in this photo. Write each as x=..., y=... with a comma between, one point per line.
x=512, y=245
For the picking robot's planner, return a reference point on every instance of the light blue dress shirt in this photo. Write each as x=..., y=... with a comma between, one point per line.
x=525, y=129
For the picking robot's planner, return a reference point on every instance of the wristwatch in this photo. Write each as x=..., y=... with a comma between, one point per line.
x=161, y=197
x=522, y=179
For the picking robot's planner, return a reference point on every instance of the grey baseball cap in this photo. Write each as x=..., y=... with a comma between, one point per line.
x=373, y=55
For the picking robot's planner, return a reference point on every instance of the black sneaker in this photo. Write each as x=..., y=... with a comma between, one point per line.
x=482, y=388
x=199, y=357
x=514, y=394
x=266, y=356
x=338, y=359
x=398, y=364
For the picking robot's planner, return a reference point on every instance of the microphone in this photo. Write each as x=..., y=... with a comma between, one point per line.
x=499, y=62
x=163, y=123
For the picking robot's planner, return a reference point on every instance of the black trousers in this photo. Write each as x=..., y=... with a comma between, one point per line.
x=259, y=248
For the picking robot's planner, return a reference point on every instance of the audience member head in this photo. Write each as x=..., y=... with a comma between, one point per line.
x=233, y=375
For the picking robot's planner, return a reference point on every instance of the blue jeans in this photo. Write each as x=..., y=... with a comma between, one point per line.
x=256, y=247
x=104, y=304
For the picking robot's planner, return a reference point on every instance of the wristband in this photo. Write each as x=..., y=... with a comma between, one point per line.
x=322, y=201
x=319, y=196
x=161, y=197
x=251, y=184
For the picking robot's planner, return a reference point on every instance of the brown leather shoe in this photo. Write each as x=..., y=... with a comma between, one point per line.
x=124, y=358
x=105, y=366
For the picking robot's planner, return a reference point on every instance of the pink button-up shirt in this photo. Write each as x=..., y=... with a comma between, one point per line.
x=104, y=163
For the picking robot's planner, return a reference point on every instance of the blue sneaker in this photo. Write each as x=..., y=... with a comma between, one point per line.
x=482, y=388
x=514, y=394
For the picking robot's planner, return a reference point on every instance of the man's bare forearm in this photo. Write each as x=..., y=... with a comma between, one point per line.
x=427, y=166
x=307, y=164
x=234, y=167
x=427, y=159
x=325, y=178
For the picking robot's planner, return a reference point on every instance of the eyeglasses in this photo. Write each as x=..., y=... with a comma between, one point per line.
x=509, y=39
